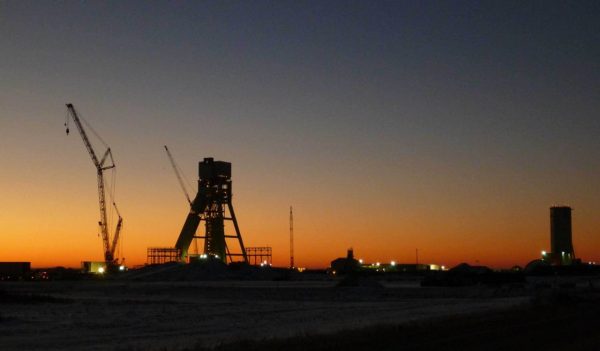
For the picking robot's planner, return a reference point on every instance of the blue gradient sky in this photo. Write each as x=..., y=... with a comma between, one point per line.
x=450, y=126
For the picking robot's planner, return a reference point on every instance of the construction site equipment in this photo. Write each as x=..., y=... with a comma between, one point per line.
x=178, y=174
x=160, y=255
x=182, y=184
x=93, y=267
x=117, y=233
x=212, y=205
x=258, y=256
x=105, y=163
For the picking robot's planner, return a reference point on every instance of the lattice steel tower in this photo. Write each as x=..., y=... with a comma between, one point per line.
x=212, y=205
x=291, y=239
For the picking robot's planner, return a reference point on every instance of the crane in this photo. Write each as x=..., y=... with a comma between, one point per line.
x=115, y=240
x=181, y=184
x=178, y=174
x=105, y=163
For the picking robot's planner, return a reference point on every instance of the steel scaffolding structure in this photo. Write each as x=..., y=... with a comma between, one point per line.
x=160, y=255
x=259, y=255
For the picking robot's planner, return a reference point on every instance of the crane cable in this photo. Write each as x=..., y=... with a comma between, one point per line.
x=188, y=183
x=89, y=126
x=112, y=186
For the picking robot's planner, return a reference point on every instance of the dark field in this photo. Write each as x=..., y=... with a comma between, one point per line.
x=294, y=315
x=560, y=325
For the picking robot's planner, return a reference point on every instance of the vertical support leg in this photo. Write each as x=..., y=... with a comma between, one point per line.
x=237, y=230
x=187, y=234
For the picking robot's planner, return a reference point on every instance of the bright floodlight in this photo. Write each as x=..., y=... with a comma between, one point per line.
x=393, y=263
x=360, y=261
x=543, y=253
x=101, y=270
x=121, y=268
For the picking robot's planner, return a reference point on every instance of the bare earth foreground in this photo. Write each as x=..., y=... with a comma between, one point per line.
x=109, y=315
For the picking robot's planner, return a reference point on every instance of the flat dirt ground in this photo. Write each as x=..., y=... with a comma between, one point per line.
x=117, y=315
x=570, y=322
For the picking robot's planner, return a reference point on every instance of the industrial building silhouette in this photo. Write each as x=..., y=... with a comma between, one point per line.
x=561, y=237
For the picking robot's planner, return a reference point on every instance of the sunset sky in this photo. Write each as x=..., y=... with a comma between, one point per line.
x=447, y=126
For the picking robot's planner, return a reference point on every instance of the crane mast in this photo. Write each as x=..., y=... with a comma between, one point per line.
x=115, y=240
x=105, y=163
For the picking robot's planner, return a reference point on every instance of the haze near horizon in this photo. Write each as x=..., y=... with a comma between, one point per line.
x=447, y=126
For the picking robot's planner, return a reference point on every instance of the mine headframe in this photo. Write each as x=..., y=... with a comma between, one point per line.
x=212, y=205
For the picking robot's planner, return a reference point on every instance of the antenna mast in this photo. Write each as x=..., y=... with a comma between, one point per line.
x=291, y=239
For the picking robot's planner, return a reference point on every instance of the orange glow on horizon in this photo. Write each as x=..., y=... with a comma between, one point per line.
x=50, y=218
x=321, y=235
x=389, y=126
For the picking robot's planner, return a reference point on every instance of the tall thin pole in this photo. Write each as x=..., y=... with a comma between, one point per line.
x=291, y=239
x=417, y=256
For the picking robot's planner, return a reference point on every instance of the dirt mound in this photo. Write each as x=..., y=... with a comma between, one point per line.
x=203, y=270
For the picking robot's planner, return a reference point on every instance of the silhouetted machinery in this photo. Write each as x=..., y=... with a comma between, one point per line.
x=102, y=165
x=213, y=206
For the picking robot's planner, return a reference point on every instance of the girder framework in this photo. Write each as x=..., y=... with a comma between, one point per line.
x=260, y=255
x=160, y=255
x=105, y=163
x=213, y=206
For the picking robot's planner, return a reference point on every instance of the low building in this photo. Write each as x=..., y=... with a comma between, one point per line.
x=14, y=270
x=98, y=267
x=346, y=264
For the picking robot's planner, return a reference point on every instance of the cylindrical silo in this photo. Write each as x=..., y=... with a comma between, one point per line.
x=560, y=232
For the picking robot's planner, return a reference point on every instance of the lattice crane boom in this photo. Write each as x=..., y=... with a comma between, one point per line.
x=107, y=162
x=179, y=178
x=115, y=240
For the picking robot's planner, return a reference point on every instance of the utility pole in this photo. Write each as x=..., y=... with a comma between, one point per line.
x=291, y=238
